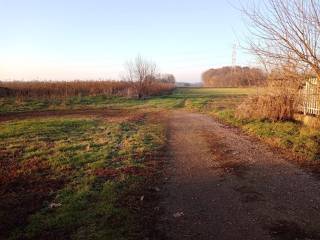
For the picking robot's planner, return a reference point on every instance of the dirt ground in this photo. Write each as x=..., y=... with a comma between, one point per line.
x=223, y=185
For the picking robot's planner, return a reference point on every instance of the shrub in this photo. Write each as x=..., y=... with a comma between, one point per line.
x=278, y=101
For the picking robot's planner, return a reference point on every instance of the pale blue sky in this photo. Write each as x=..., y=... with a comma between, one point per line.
x=92, y=39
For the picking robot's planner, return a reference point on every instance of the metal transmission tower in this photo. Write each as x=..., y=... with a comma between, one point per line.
x=234, y=56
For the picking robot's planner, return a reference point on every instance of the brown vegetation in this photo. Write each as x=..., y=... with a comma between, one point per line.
x=233, y=77
x=141, y=80
x=143, y=73
x=277, y=101
x=65, y=89
x=284, y=36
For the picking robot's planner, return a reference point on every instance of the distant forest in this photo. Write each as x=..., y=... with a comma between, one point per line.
x=233, y=77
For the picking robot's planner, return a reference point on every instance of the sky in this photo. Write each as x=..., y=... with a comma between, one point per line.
x=93, y=39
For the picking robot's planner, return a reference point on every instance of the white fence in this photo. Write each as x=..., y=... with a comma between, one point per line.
x=311, y=97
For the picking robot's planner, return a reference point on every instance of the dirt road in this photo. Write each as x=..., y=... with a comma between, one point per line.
x=223, y=185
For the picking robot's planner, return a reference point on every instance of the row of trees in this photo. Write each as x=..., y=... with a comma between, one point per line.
x=233, y=77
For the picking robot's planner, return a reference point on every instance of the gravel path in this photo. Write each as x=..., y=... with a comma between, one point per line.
x=223, y=185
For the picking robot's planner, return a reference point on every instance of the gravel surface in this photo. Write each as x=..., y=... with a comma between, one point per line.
x=221, y=184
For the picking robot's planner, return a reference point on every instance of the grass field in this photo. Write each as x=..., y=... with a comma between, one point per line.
x=73, y=178
x=195, y=98
x=83, y=177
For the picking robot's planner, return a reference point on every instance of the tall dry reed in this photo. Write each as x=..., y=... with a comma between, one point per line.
x=61, y=89
x=277, y=101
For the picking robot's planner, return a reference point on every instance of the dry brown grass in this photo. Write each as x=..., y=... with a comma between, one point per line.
x=64, y=89
x=277, y=101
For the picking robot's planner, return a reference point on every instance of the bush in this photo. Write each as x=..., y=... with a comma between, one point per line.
x=266, y=107
x=275, y=102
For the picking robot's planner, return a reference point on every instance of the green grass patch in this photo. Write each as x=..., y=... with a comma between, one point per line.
x=8, y=105
x=191, y=98
x=290, y=135
x=100, y=163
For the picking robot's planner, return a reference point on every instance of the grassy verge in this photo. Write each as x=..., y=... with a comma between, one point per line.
x=222, y=103
x=70, y=178
x=294, y=136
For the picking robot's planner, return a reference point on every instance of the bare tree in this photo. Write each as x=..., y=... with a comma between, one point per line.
x=142, y=72
x=166, y=78
x=285, y=34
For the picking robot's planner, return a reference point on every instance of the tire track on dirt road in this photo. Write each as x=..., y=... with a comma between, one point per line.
x=223, y=185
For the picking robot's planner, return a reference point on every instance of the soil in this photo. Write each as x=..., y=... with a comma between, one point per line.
x=222, y=184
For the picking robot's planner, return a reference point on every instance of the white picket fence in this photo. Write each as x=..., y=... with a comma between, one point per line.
x=311, y=97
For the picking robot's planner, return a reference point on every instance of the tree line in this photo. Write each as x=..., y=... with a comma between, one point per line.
x=233, y=77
